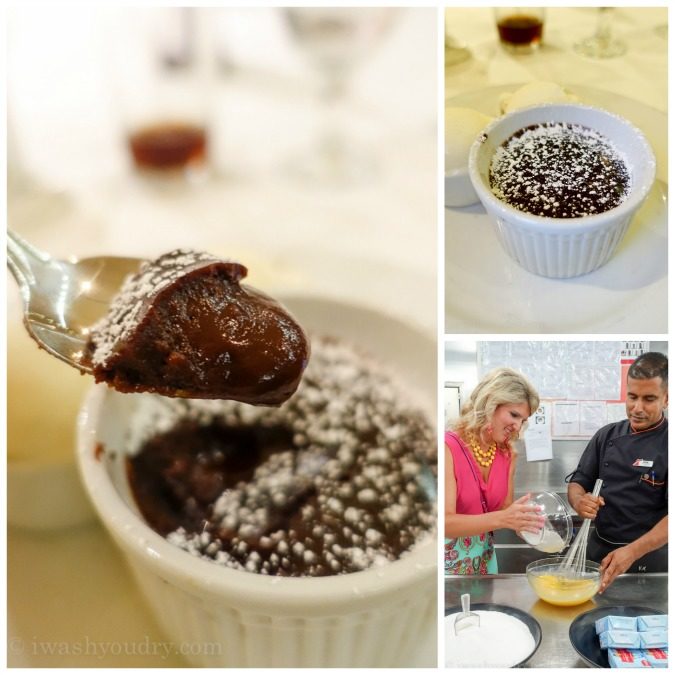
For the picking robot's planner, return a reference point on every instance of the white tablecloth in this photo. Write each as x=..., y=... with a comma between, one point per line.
x=641, y=73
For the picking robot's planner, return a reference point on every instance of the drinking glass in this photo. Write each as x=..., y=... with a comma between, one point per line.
x=520, y=28
x=336, y=40
x=161, y=90
x=602, y=44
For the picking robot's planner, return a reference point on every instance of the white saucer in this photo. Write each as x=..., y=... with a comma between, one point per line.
x=487, y=292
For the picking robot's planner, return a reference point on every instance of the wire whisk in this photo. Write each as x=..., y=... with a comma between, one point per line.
x=574, y=563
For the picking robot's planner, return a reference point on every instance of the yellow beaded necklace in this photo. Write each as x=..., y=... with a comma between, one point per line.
x=483, y=457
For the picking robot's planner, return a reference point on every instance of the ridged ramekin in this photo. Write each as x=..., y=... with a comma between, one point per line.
x=229, y=618
x=563, y=247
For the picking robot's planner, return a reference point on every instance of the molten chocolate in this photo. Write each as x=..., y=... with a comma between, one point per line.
x=184, y=326
x=337, y=480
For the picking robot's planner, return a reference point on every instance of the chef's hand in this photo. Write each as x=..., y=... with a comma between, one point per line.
x=615, y=563
x=523, y=517
x=588, y=506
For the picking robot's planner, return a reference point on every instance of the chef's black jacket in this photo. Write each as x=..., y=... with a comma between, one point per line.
x=635, y=494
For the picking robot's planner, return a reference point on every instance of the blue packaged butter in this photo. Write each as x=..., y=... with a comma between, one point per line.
x=658, y=658
x=620, y=638
x=657, y=637
x=616, y=623
x=651, y=621
x=627, y=658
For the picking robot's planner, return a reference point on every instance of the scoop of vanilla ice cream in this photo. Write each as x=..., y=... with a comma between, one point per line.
x=462, y=125
x=534, y=93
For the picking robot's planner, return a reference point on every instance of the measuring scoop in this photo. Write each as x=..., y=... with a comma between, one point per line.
x=467, y=618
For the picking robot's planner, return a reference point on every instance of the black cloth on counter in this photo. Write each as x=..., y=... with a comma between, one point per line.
x=634, y=470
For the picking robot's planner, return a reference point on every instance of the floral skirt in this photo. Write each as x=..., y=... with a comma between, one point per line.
x=471, y=555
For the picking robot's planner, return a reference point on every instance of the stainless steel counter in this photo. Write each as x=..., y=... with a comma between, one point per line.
x=556, y=651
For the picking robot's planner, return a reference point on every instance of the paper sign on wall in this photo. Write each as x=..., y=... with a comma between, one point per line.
x=592, y=416
x=565, y=418
x=537, y=436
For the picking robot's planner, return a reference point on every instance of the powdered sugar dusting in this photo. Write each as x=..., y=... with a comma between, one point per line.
x=560, y=170
x=354, y=490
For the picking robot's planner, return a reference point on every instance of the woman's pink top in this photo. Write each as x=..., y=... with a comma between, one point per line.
x=468, y=477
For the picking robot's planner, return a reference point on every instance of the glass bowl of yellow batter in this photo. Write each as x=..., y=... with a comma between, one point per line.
x=563, y=587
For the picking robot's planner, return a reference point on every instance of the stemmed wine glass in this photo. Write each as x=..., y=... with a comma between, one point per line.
x=602, y=44
x=336, y=39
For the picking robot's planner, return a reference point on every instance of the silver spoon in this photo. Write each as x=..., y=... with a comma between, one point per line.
x=62, y=299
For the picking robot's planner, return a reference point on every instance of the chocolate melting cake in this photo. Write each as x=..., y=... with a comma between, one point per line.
x=338, y=479
x=559, y=170
x=184, y=326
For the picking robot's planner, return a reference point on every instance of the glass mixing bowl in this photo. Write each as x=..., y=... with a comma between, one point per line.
x=556, y=533
x=563, y=586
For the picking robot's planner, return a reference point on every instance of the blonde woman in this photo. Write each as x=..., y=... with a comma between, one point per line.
x=479, y=471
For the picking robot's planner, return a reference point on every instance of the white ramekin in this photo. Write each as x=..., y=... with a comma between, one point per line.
x=557, y=247
x=228, y=618
x=373, y=618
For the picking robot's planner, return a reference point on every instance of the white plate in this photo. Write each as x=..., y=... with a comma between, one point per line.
x=487, y=292
x=71, y=600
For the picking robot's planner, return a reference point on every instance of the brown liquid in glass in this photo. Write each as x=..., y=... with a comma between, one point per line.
x=520, y=29
x=170, y=145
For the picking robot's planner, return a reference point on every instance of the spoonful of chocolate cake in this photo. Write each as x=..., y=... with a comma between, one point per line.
x=181, y=325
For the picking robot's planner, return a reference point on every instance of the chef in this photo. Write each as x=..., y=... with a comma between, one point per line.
x=631, y=458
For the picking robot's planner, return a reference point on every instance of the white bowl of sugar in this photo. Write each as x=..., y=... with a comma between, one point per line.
x=513, y=637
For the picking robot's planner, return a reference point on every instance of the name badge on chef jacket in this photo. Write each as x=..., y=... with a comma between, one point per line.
x=644, y=463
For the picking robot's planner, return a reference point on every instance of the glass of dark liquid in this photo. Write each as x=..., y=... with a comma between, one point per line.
x=520, y=28
x=161, y=89
x=173, y=144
